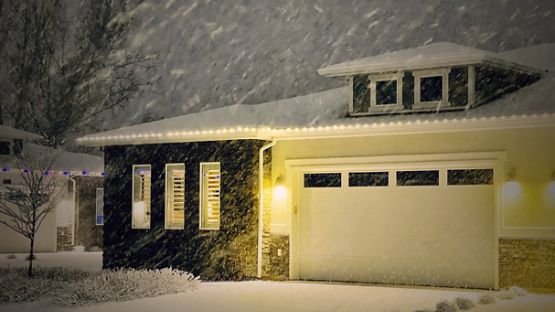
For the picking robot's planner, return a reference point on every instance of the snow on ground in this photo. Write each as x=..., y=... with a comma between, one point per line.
x=89, y=261
x=276, y=296
x=302, y=296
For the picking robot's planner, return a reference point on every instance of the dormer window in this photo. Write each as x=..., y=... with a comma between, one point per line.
x=386, y=92
x=431, y=89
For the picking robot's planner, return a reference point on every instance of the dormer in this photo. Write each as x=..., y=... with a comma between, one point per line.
x=432, y=78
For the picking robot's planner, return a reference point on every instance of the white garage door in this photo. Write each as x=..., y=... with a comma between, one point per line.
x=433, y=226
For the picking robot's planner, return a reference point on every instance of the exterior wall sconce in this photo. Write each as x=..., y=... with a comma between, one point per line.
x=280, y=191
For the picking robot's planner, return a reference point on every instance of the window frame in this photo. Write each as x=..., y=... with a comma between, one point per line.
x=429, y=73
x=134, y=168
x=374, y=106
x=96, y=206
x=202, y=213
x=166, y=197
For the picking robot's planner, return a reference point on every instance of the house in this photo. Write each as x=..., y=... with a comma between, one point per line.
x=432, y=166
x=77, y=219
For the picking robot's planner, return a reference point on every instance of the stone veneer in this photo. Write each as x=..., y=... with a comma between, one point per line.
x=528, y=263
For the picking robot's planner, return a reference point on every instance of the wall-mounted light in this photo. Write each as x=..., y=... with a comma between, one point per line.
x=280, y=191
x=511, y=174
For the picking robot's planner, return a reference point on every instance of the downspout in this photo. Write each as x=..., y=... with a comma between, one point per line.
x=261, y=203
x=74, y=225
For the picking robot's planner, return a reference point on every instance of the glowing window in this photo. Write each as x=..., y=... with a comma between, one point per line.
x=175, y=196
x=99, y=206
x=141, y=197
x=210, y=187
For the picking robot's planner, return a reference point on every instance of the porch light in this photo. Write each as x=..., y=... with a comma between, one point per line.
x=280, y=191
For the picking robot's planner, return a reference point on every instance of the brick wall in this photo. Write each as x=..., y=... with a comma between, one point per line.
x=527, y=263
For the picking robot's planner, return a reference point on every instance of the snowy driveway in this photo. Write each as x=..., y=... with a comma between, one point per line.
x=301, y=296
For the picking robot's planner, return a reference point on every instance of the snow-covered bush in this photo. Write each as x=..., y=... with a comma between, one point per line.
x=16, y=286
x=486, y=299
x=517, y=291
x=122, y=285
x=77, y=287
x=446, y=306
x=464, y=303
x=504, y=295
x=11, y=257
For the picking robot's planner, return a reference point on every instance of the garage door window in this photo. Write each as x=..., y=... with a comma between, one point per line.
x=417, y=178
x=470, y=177
x=368, y=179
x=322, y=180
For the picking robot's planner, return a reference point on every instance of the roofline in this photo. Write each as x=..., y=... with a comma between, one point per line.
x=330, y=131
x=21, y=135
x=349, y=70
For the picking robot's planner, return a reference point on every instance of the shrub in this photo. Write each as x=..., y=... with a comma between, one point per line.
x=11, y=257
x=124, y=285
x=505, y=295
x=486, y=299
x=464, y=303
x=77, y=287
x=517, y=291
x=446, y=306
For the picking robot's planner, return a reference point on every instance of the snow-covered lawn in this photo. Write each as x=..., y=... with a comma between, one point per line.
x=276, y=296
x=88, y=261
x=303, y=296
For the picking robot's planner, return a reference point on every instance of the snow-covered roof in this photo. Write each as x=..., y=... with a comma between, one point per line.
x=326, y=114
x=67, y=163
x=13, y=133
x=427, y=56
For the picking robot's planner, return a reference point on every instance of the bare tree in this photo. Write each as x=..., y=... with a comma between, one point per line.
x=23, y=208
x=65, y=72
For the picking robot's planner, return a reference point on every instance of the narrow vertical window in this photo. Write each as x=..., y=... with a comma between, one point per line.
x=210, y=182
x=175, y=196
x=99, y=206
x=141, y=197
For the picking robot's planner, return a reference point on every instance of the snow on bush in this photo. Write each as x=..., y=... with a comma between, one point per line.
x=446, y=306
x=464, y=303
x=486, y=299
x=77, y=287
x=517, y=291
x=122, y=285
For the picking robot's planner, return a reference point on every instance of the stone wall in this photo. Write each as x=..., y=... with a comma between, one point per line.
x=527, y=263
x=226, y=254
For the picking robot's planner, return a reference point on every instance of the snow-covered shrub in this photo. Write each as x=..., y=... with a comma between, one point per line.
x=517, y=291
x=122, y=285
x=425, y=310
x=464, y=303
x=446, y=306
x=16, y=286
x=11, y=257
x=486, y=299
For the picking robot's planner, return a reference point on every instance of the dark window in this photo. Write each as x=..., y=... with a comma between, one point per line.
x=368, y=178
x=386, y=92
x=6, y=181
x=322, y=180
x=430, y=89
x=414, y=178
x=4, y=148
x=470, y=177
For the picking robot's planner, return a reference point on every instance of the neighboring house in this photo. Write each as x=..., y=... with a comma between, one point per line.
x=74, y=220
x=434, y=166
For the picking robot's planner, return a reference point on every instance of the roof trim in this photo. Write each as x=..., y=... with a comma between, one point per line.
x=328, y=131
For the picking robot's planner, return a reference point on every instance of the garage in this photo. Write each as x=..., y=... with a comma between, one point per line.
x=430, y=223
